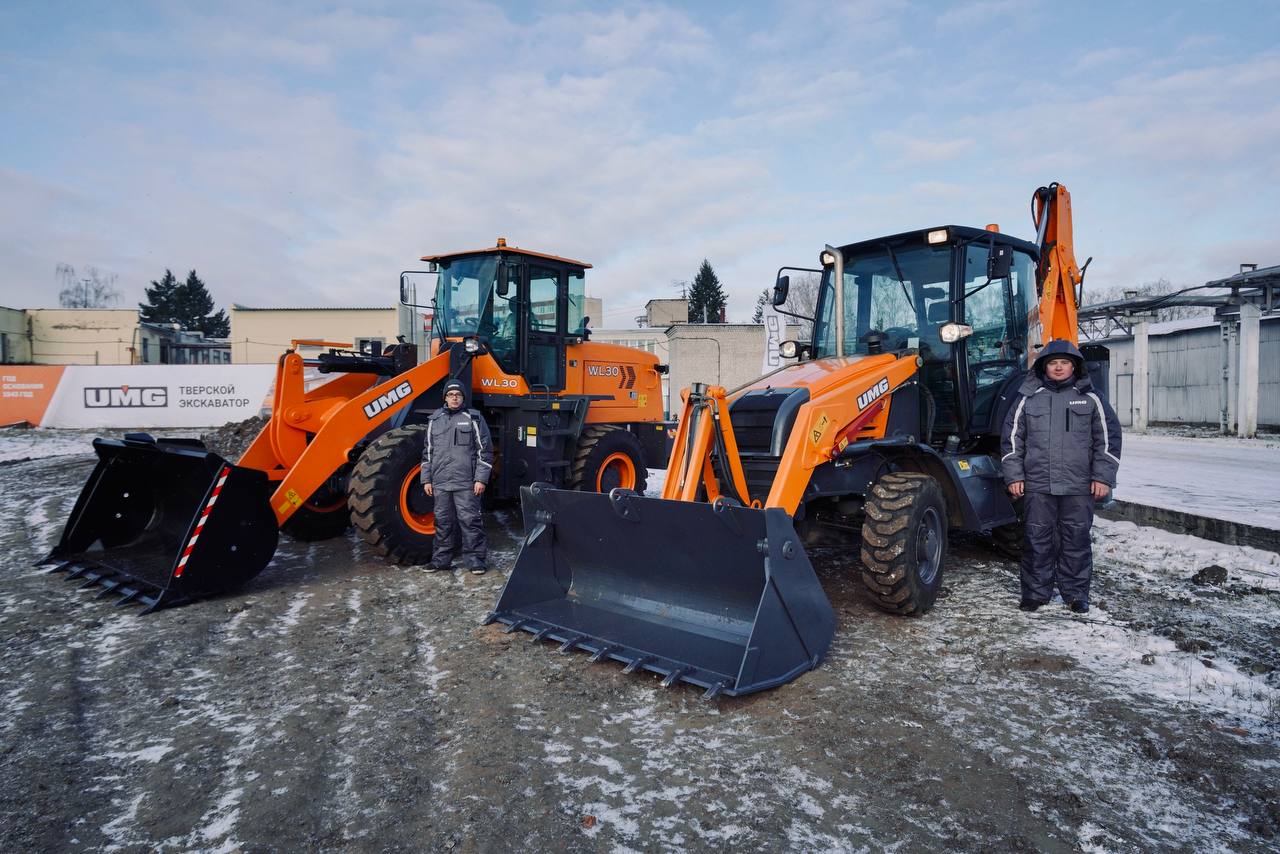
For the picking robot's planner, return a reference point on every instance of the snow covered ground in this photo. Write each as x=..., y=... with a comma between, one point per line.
x=1233, y=479
x=338, y=702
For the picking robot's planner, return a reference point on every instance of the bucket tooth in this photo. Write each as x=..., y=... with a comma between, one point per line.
x=543, y=632
x=515, y=627
x=91, y=578
x=129, y=596
x=636, y=663
x=108, y=586
x=604, y=651
x=715, y=690
x=80, y=569
x=569, y=644
x=675, y=676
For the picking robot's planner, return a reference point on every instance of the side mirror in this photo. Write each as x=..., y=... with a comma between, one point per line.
x=999, y=262
x=780, y=289
x=504, y=281
x=404, y=290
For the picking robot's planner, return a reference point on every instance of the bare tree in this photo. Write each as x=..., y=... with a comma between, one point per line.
x=802, y=299
x=93, y=288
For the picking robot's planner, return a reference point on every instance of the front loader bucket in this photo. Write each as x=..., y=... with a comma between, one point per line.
x=719, y=596
x=166, y=522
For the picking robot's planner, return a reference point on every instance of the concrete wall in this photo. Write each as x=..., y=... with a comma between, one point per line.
x=15, y=343
x=86, y=336
x=1186, y=374
x=661, y=313
x=260, y=335
x=726, y=354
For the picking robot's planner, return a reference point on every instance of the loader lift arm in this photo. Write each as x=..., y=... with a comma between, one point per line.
x=335, y=417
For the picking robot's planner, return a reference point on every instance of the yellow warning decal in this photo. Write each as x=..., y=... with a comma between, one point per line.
x=533, y=431
x=820, y=429
x=642, y=400
x=555, y=406
x=963, y=464
x=290, y=498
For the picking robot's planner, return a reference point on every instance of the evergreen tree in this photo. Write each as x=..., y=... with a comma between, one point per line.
x=188, y=304
x=161, y=305
x=707, y=301
x=766, y=297
x=196, y=304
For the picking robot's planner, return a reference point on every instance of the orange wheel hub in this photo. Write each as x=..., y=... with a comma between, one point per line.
x=415, y=504
x=618, y=471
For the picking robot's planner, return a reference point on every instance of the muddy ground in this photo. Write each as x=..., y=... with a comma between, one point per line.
x=337, y=702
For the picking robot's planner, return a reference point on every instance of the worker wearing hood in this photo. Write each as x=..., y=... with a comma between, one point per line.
x=1061, y=451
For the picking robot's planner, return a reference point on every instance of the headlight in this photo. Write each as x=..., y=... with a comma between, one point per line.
x=827, y=259
x=788, y=349
x=938, y=236
x=472, y=345
x=950, y=333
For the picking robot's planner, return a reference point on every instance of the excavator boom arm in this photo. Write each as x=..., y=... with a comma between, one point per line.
x=1059, y=276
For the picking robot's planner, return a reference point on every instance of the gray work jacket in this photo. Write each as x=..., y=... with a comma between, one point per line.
x=458, y=452
x=1058, y=438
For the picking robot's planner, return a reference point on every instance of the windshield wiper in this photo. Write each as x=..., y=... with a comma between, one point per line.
x=898, y=270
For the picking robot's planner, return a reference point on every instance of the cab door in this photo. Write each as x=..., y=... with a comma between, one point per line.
x=545, y=329
x=994, y=354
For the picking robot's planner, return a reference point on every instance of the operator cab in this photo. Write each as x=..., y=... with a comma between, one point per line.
x=525, y=306
x=900, y=292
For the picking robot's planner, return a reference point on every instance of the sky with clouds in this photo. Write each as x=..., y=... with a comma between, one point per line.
x=305, y=154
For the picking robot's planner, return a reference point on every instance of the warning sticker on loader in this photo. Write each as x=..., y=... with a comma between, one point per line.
x=819, y=429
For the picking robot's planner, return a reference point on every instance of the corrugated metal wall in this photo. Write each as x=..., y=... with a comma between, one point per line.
x=1186, y=374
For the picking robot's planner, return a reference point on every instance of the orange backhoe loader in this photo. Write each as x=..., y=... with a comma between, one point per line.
x=888, y=426
x=165, y=521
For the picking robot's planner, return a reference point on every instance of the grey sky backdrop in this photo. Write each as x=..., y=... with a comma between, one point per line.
x=304, y=154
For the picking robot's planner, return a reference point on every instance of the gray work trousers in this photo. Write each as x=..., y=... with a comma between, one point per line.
x=1056, y=547
x=458, y=510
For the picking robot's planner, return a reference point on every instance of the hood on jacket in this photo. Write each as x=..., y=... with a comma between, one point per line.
x=1061, y=347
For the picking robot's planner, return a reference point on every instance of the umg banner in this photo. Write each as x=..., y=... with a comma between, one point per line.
x=133, y=395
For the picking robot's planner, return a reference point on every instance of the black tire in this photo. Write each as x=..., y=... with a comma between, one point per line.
x=389, y=509
x=323, y=516
x=1008, y=538
x=904, y=542
x=608, y=457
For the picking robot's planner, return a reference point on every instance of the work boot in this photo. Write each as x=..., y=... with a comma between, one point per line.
x=437, y=567
x=1079, y=606
x=1029, y=606
x=479, y=569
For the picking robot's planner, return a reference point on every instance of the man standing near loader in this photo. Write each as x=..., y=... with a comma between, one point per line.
x=457, y=458
x=1061, y=452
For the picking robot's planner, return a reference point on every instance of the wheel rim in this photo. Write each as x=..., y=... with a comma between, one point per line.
x=617, y=471
x=929, y=546
x=415, y=505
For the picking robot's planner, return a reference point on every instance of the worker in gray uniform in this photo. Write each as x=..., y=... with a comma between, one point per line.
x=456, y=461
x=1061, y=452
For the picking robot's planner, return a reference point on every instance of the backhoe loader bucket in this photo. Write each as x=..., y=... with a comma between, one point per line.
x=166, y=522
x=719, y=596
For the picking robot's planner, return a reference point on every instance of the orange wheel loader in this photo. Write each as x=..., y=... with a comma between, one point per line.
x=887, y=427
x=165, y=521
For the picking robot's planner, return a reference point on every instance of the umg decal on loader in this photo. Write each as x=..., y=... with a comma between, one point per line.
x=736, y=608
